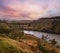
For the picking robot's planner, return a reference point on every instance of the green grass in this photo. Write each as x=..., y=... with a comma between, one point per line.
x=7, y=47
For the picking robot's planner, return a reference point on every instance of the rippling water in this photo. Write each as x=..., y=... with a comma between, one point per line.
x=39, y=34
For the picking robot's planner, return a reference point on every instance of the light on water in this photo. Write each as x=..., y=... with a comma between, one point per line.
x=39, y=34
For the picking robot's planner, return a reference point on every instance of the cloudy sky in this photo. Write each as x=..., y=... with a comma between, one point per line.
x=28, y=9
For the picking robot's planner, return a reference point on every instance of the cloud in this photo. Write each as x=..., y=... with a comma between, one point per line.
x=29, y=9
x=17, y=9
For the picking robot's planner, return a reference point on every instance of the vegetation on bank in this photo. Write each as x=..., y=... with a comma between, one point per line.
x=13, y=40
x=51, y=25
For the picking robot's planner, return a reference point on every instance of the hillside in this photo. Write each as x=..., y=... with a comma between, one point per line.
x=13, y=40
x=27, y=44
x=51, y=25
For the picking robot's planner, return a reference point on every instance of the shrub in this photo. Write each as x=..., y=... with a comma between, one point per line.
x=41, y=47
x=4, y=28
x=16, y=33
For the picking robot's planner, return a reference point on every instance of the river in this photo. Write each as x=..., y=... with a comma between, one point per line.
x=39, y=34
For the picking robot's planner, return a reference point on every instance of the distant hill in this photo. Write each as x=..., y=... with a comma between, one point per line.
x=48, y=24
x=20, y=21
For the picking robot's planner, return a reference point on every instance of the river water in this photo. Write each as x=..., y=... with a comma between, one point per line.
x=39, y=34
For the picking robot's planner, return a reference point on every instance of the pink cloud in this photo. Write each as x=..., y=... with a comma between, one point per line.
x=16, y=9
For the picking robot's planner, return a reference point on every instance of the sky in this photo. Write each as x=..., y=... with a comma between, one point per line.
x=28, y=9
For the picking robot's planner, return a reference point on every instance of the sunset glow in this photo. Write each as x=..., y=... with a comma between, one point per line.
x=28, y=9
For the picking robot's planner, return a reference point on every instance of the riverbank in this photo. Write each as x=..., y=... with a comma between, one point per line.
x=26, y=44
x=38, y=43
x=45, y=31
x=39, y=35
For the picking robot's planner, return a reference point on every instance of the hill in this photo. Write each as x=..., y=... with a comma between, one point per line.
x=51, y=25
